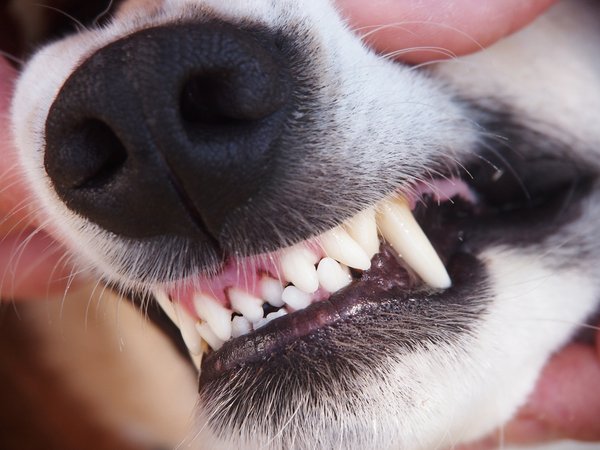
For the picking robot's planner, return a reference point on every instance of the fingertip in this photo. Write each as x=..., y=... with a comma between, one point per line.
x=33, y=267
x=566, y=401
x=426, y=30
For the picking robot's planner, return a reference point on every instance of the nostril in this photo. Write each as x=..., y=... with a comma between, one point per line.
x=89, y=158
x=203, y=101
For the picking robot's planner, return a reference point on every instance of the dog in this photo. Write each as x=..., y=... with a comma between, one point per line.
x=358, y=253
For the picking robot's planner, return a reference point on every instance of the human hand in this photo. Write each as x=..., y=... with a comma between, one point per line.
x=423, y=30
x=32, y=265
x=566, y=401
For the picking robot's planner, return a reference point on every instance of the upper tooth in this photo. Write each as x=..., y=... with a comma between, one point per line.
x=209, y=336
x=332, y=276
x=216, y=315
x=187, y=327
x=165, y=303
x=271, y=290
x=338, y=245
x=246, y=304
x=298, y=266
x=363, y=230
x=401, y=230
x=295, y=298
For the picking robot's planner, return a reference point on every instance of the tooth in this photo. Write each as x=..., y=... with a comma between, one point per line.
x=298, y=266
x=197, y=359
x=363, y=229
x=271, y=290
x=338, y=245
x=209, y=336
x=165, y=303
x=247, y=305
x=401, y=230
x=187, y=327
x=271, y=316
x=216, y=315
x=332, y=276
x=295, y=298
x=240, y=326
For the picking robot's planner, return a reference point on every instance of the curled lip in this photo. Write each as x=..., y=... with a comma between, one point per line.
x=514, y=211
x=390, y=286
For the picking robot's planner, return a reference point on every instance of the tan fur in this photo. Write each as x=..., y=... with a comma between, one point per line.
x=115, y=365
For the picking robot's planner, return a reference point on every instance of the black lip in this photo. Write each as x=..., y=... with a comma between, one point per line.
x=388, y=285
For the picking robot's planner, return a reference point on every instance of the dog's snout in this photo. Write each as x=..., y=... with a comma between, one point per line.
x=170, y=129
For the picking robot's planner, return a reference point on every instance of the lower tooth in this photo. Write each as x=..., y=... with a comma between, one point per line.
x=332, y=276
x=209, y=336
x=271, y=316
x=295, y=298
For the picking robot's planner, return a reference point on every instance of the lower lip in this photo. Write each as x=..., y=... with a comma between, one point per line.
x=388, y=285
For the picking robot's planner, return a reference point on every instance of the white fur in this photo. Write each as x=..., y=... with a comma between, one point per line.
x=465, y=389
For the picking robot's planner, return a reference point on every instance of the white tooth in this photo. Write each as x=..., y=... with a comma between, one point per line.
x=363, y=229
x=216, y=315
x=187, y=327
x=271, y=290
x=271, y=316
x=332, y=276
x=196, y=360
x=209, y=336
x=247, y=305
x=295, y=298
x=338, y=245
x=401, y=230
x=165, y=303
x=298, y=266
x=240, y=326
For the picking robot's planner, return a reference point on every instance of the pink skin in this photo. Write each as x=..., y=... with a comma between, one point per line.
x=32, y=265
x=566, y=402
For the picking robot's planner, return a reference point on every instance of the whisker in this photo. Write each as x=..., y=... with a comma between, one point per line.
x=77, y=22
x=20, y=62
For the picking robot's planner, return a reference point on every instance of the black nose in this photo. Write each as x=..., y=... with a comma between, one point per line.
x=169, y=130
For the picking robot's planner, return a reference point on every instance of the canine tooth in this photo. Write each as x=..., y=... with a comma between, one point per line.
x=338, y=245
x=187, y=327
x=295, y=298
x=246, y=304
x=240, y=326
x=401, y=230
x=363, y=229
x=331, y=275
x=216, y=315
x=209, y=336
x=165, y=303
x=271, y=290
x=298, y=266
x=271, y=316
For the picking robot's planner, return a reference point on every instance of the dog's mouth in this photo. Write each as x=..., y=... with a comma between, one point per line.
x=414, y=247
x=302, y=280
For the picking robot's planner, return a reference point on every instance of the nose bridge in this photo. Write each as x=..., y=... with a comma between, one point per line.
x=188, y=113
